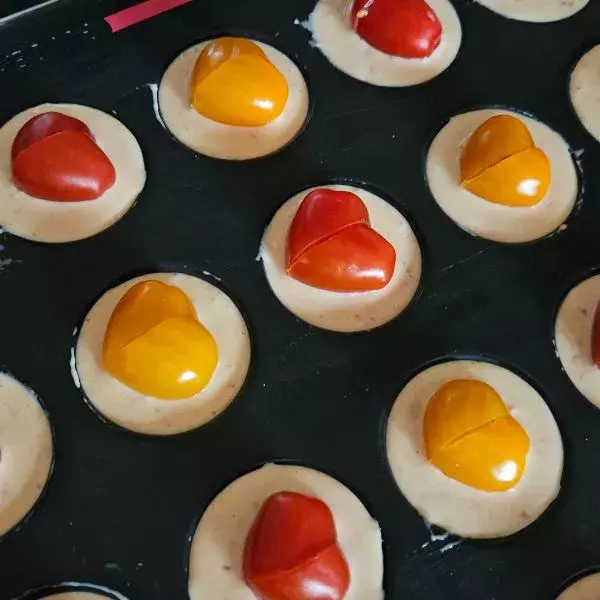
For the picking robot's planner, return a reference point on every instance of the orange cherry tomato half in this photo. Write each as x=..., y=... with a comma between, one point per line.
x=291, y=551
x=332, y=246
x=234, y=83
x=406, y=28
x=596, y=337
x=471, y=436
x=500, y=163
x=155, y=345
x=55, y=157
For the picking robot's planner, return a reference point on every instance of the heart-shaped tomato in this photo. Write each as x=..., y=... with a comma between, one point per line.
x=155, y=344
x=291, y=551
x=596, y=337
x=500, y=163
x=406, y=28
x=332, y=246
x=234, y=83
x=55, y=157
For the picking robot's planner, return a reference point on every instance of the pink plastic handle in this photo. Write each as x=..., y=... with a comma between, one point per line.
x=141, y=12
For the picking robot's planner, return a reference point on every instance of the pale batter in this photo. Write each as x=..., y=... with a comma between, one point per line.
x=215, y=570
x=337, y=311
x=535, y=11
x=55, y=222
x=585, y=91
x=573, y=337
x=497, y=222
x=331, y=26
x=26, y=454
x=145, y=414
x=226, y=141
x=586, y=588
x=458, y=508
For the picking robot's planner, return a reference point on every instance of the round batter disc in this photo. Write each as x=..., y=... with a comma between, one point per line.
x=535, y=11
x=331, y=25
x=485, y=219
x=215, y=569
x=586, y=588
x=336, y=311
x=458, y=508
x=26, y=453
x=145, y=414
x=573, y=337
x=585, y=91
x=56, y=222
x=226, y=141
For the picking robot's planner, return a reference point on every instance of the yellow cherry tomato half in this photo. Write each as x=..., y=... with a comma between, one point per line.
x=155, y=344
x=519, y=180
x=500, y=163
x=234, y=83
x=471, y=437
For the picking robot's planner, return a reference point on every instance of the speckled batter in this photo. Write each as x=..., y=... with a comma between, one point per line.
x=215, y=570
x=226, y=141
x=573, y=337
x=331, y=25
x=585, y=91
x=458, y=508
x=535, y=11
x=144, y=414
x=26, y=453
x=336, y=311
x=486, y=219
x=56, y=222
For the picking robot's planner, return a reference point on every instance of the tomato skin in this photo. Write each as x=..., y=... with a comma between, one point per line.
x=55, y=157
x=357, y=259
x=332, y=246
x=596, y=337
x=291, y=551
x=235, y=83
x=322, y=213
x=153, y=338
x=406, y=28
x=43, y=126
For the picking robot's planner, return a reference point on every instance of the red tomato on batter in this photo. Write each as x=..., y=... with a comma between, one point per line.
x=291, y=552
x=407, y=28
x=55, y=157
x=332, y=246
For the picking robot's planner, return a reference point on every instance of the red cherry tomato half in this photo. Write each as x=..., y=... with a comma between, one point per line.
x=291, y=552
x=43, y=126
x=357, y=259
x=596, y=337
x=321, y=214
x=331, y=245
x=406, y=28
x=55, y=157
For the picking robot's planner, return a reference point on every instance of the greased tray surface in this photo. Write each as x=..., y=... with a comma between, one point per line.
x=120, y=508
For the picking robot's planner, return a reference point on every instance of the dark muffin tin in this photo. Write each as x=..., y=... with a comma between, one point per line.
x=120, y=508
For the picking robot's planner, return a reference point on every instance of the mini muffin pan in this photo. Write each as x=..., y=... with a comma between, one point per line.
x=120, y=508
